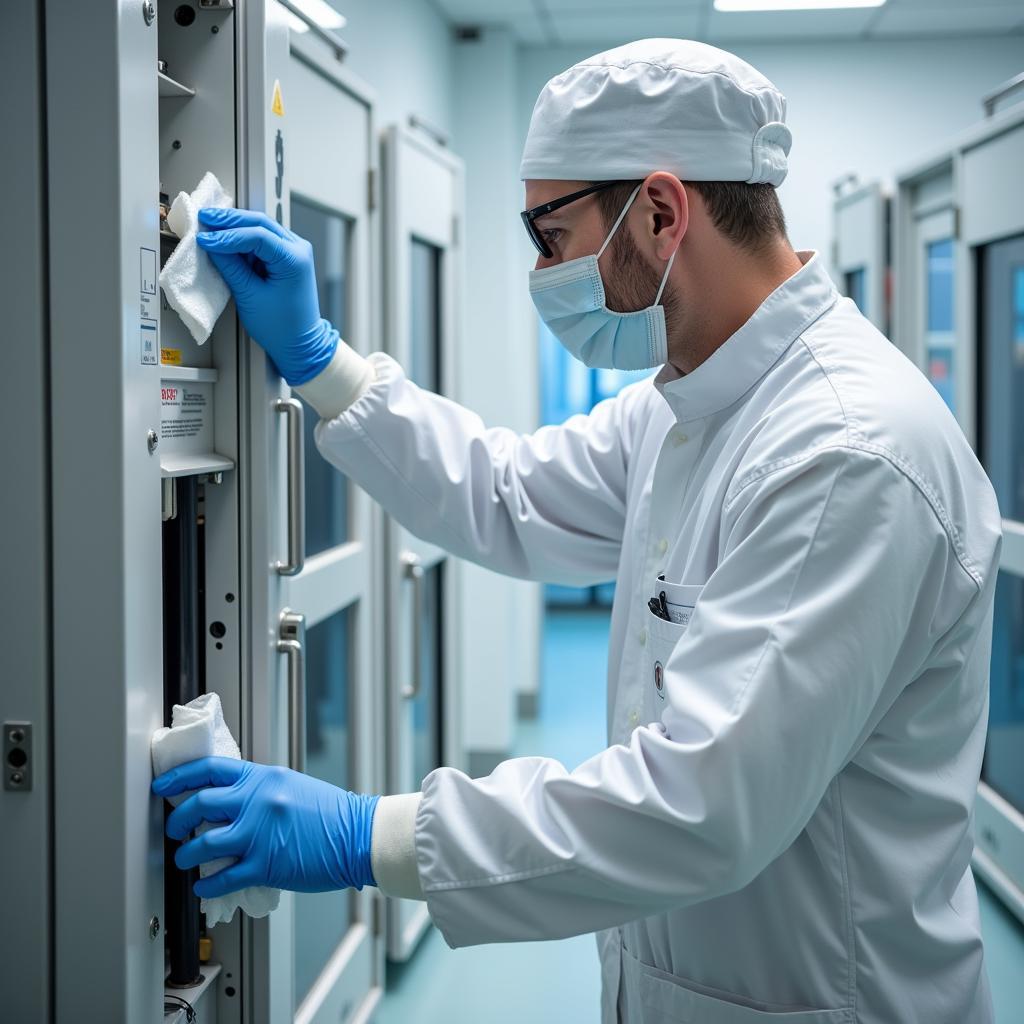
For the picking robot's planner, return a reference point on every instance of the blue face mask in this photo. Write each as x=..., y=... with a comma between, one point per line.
x=570, y=300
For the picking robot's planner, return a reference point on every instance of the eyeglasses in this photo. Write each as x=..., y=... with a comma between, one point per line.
x=529, y=216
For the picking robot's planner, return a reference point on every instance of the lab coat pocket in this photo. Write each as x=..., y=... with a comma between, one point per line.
x=664, y=634
x=670, y=1000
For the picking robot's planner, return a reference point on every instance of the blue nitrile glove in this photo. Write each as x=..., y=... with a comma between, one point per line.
x=288, y=830
x=270, y=272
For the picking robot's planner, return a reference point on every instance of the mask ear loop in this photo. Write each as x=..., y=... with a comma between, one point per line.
x=618, y=221
x=664, y=279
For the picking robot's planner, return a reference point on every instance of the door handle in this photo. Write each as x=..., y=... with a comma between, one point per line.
x=292, y=409
x=412, y=569
x=291, y=642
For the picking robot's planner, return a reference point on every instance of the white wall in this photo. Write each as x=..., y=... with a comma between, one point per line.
x=868, y=107
x=403, y=50
x=497, y=372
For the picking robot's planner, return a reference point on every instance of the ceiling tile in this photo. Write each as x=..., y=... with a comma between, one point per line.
x=917, y=21
x=485, y=12
x=840, y=24
x=611, y=29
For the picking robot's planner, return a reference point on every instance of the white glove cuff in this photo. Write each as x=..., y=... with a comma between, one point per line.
x=393, y=846
x=339, y=384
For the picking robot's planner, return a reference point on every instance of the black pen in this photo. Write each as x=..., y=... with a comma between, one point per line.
x=655, y=605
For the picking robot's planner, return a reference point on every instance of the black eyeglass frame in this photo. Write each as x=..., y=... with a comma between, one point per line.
x=529, y=216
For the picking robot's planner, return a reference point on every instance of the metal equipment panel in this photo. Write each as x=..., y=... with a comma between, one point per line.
x=25, y=693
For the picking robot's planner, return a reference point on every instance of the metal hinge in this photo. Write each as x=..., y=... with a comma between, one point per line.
x=378, y=915
x=371, y=188
x=455, y=229
x=956, y=222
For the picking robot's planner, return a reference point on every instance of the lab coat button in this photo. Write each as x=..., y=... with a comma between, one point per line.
x=680, y=439
x=643, y=637
x=662, y=546
x=634, y=716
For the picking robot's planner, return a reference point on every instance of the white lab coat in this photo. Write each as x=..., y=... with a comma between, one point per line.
x=781, y=826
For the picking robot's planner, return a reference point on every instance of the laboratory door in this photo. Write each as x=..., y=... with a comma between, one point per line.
x=422, y=189
x=1002, y=445
x=324, y=951
x=861, y=250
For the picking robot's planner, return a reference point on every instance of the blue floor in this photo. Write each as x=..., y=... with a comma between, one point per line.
x=542, y=982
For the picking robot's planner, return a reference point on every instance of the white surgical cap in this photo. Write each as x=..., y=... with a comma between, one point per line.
x=659, y=105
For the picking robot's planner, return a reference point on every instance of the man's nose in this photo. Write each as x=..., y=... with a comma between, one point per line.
x=545, y=261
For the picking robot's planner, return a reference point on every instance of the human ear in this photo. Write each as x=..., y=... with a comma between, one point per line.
x=669, y=210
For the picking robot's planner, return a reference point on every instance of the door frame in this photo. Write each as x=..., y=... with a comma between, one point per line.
x=412, y=213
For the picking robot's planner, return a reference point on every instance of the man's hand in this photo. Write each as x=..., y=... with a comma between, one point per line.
x=288, y=830
x=270, y=272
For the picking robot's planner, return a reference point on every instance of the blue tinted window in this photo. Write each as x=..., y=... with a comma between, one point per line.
x=323, y=919
x=327, y=520
x=856, y=284
x=567, y=388
x=1004, y=754
x=939, y=276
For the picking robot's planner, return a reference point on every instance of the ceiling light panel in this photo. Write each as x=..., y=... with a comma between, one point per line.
x=731, y=6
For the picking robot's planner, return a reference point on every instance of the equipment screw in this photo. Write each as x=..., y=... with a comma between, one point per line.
x=148, y=11
x=154, y=927
x=17, y=735
x=152, y=440
x=17, y=778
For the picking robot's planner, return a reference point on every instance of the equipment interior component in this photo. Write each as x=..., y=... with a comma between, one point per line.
x=184, y=680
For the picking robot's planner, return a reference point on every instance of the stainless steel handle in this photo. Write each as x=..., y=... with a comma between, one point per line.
x=1011, y=85
x=292, y=638
x=332, y=39
x=292, y=409
x=412, y=569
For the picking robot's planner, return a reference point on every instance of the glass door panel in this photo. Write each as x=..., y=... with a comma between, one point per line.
x=425, y=707
x=425, y=315
x=939, y=337
x=323, y=919
x=1002, y=437
x=1004, y=752
x=856, y=287
x=327, y=492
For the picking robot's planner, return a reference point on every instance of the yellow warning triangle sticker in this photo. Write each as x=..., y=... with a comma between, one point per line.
x=276, y=105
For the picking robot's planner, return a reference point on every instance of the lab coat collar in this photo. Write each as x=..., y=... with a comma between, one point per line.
x=733, y=368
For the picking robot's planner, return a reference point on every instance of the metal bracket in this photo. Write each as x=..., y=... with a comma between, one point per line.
x=18, y=756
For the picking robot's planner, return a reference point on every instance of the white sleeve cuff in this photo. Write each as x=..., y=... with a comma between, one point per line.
x=393, y=846
x=339, y=384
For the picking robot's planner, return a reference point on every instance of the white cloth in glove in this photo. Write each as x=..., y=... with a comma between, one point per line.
x=194, y=288
x=198, y=730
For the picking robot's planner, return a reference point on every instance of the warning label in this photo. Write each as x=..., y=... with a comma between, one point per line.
x=185, y=420
x=276, y=103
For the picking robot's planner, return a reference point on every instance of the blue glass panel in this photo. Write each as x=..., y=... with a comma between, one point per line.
x=327, y=495
x=940, y=372
x=1018, y=315
x=939, y=285
x=323, y=919
x=856, y=286
x=425, y=315
x=426, y=706
x=1004, y=754
x=568, y=388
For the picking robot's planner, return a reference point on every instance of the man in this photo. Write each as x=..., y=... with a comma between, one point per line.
x=805, y=549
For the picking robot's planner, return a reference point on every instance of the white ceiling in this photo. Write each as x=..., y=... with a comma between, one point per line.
x=606, y=22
